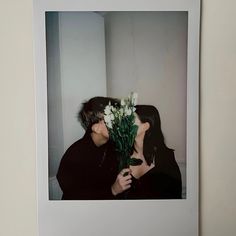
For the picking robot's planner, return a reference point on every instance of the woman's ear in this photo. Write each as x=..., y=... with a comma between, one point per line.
x=146, y=126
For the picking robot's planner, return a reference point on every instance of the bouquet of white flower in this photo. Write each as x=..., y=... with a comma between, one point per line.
x=122, y=129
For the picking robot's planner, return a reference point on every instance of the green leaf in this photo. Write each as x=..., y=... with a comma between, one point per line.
x=134, y=162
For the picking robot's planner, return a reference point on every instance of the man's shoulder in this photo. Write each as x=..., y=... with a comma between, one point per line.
x=76, y=148
x=76, y=144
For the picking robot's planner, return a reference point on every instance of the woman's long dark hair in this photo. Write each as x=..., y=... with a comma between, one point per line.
x=154, y=142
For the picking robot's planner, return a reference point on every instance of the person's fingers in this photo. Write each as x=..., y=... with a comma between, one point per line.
x=122, y=180
x=127, y=187
x=128, y=177
x=125, y=182
x=125, y=172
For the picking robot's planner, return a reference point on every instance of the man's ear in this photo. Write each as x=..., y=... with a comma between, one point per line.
x=96, y=128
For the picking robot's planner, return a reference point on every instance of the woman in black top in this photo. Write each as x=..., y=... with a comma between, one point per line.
x=158, y=177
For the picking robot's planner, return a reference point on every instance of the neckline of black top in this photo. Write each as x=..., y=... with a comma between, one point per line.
x=145, y=174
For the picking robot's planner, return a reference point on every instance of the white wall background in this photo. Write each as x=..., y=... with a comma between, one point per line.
x=218, y=99
x=147, y=53
x=77, y=75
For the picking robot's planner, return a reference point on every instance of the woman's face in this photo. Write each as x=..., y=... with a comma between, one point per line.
x=142, y=127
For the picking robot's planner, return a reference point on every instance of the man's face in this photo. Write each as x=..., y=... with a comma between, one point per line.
x=103, y=129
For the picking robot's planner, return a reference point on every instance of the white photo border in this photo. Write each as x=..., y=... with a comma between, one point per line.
x=117, y=217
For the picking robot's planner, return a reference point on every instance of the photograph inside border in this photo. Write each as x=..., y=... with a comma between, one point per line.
x=117, y=98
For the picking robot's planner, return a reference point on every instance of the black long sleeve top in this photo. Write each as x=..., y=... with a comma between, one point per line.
x=161, y=182
x=86, y=171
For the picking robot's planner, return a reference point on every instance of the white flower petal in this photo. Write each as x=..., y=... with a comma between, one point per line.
x=134, y=99
x=107, y=110
x=129, y=112
x=112, y=117
x=122, y=102
x=107, y=119
x=109, y=125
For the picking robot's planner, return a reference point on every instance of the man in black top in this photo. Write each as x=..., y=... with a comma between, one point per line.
x=88, y=169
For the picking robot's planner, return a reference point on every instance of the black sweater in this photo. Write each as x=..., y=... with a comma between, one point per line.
x=87, y=171
x=161, y=182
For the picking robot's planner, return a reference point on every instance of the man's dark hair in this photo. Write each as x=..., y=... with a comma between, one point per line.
x=92, y=111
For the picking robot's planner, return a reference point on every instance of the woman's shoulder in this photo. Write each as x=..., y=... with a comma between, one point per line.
x=166, y=159
x=167, y=153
